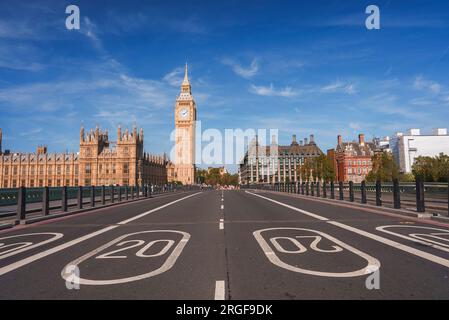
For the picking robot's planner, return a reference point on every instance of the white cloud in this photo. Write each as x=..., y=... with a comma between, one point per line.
x=355, y=125
x=244, y=72
x=428, y=85
x=339, y=86
x=174, y=78
x=270, y=91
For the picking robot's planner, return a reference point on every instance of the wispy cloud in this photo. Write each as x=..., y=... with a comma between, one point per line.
x=174, y=77
x=244, y=72
x=270, y=91
x=339, y=86
x=428, y=85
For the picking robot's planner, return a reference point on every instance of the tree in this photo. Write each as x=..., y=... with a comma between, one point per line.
x=384, y=168
x=432, y=169
x=319, y=168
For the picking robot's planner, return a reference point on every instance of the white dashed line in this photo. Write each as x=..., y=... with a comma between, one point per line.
x=221, y=225
x=219, y=290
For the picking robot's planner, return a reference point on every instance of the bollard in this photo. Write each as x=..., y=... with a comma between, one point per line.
x=126, y=193
x=307, y=188
x=351, y=191
x=363, y=191
x=132, y=192
x=21, y=203
x=137, y=191
x=103, y=195
x=332, y=190
x=396, y=194
x=64, y=199
x=318, y=189
x=302, y=188
x=92, y=196
x=324, y=189
x=378, y=194
x=420, y=205
x=80, y=197
x=340, y=190
x=312, y=189
x=45, y=202
x=119, y=194
x=112, y=194
x=150, y=193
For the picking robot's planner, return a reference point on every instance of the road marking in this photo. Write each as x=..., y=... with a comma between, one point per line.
x=222, y=206
x=372, y=263
x=156, y=209
x=219, y=290
x=221, y=225
x=73, y=242
x=421, y=238
x=67, y=274
x=25, y=246
x=310, y=214
x=394, y=244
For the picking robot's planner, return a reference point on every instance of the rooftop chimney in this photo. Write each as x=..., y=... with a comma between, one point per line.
x=414, y=132
x=305, y=141
x=339, y=140
x=362, y=139
x=300, y=142
x=312, y=140
x=294, y=138
x=436, y=132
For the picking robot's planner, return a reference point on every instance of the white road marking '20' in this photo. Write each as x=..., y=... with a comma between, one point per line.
x=372, y=263
x=167, y=265
x=40, y=255
x=18, y=247
x=388, y=242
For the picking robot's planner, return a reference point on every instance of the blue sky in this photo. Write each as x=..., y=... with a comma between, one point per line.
x=305, y=67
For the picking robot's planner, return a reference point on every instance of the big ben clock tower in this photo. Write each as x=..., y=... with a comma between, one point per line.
x=185, y=119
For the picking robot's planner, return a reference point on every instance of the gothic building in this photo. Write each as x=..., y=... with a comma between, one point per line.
x=99, y=161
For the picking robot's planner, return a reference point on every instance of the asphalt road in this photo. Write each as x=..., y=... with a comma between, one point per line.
x=268, y=246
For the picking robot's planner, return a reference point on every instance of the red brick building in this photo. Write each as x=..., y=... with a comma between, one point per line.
x=352, y=160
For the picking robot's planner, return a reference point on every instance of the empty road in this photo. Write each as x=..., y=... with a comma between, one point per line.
x=226, y=245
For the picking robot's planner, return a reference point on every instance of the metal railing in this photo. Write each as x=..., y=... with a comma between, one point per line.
x=417, y=196
x=23, y=201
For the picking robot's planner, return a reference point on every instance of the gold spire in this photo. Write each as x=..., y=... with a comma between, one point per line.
x=186, y=76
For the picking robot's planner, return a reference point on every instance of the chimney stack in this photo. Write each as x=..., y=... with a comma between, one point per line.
x=362, y=139
x=294, y=138
x=300, y=142
x=339, y=140
x=312, y=139
x=305, y=141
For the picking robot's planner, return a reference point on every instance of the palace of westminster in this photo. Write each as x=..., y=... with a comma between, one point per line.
x=101, y=161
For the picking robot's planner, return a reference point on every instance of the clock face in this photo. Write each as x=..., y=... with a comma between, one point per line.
x=184, y=113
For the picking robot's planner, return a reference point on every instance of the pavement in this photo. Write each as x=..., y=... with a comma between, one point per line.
x=229, y=245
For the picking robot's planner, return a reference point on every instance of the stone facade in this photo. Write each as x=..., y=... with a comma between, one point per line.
x=99, y=162
x=275, y=163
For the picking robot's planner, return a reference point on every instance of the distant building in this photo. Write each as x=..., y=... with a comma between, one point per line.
x=275, y=163
x=383, y=144
x=99, y=162
x=352, y=160
x=407, y=147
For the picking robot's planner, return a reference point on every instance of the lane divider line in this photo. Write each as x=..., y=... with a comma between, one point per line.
x=219, y=290
x=221, y=225
x=43, y=254
x=388, y=242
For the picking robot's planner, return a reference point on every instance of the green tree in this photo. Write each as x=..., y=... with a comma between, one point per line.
x=384, y=168
x=432, y=169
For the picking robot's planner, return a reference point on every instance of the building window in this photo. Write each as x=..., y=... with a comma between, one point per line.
x=113, y=168
x=14, y=170
x=67, y=182
x=41, y=183
x=76, y=169
x=67, y=169
x=49, y=170
x=58, y=183
x=76, y=183
x=14, y=183
x=41, y=169
x=126, y=168
x=32, y=183
x=23, y=183
x=32, y=170
x=88, y=170
x=49, y=182
x=6, y=170
x=87, y=182
x=23, y=170
x=5, y=184
x=58, y=169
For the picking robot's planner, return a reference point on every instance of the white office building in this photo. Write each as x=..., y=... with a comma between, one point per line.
x=407, y=147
